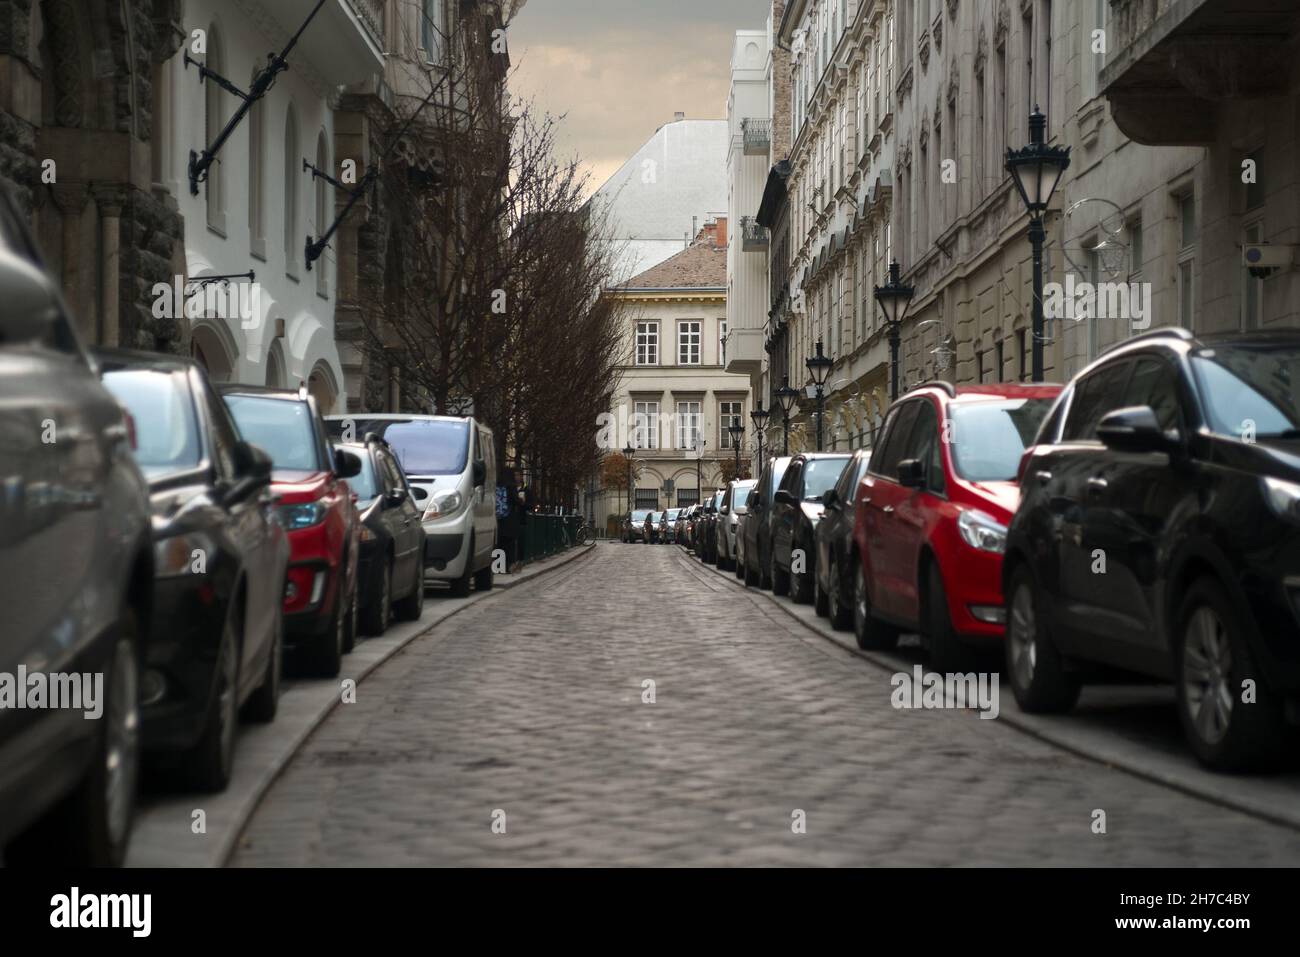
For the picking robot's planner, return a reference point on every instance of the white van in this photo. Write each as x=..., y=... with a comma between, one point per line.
x=450, y=464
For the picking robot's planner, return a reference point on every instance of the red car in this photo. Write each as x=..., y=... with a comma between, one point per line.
x=314, y=504
x=932, y=514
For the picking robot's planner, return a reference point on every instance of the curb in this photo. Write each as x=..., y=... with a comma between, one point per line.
x=263, y=752
x=1275, y=798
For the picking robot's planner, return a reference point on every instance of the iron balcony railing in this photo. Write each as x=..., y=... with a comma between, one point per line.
x=757, y=134
x=753, y=237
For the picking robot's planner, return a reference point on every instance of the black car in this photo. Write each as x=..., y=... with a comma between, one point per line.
x=390, y=570
x=833, y=585
x=219, y=566
x=1159, y=533
x=76, y=576
x=757, y=528
x=796, y=512
x=706, y=545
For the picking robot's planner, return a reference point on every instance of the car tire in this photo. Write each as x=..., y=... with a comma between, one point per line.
x=326, y=660
x=460, y=586
x=207, y=765
x=749, y=575
x=1034, y=665
x=948, y=653
x=801, y=584
x=780, y=579
x=764, y=573
x=91, y=827
x=1212, y=662
x=379, y=612
x=411, y=607
x=263, y=704
x=821, y=601
x=483, y=578
x=838, y=611
x=871, y=633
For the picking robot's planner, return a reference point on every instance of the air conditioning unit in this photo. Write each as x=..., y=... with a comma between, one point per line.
x=1264, y=259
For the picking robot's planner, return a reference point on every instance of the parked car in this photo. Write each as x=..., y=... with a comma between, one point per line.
x=390, y=570
x=730, y=512
x=309, y=481
x=452, y=460
x=634, y=525
x=682, y=525
x=756, y=532
x=833, y=585
x=796, y=511
x=690, y=516
x=707, y=531
x=76, y=575
x=220, y=557
x=668, y=525
x=650, y=531
x=931, y=519
x=1159, y=533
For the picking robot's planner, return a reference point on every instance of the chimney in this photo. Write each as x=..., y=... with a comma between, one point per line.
x=720, y=233
x=678, y=116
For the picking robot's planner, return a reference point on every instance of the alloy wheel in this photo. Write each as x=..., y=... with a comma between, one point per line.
x=1207, y=673
x=1022, y=635
x=123, y=750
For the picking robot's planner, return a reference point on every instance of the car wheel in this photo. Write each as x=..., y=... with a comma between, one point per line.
x=1038, y=676
x=801, y=583
x=871, y=634
x=207, y=765
x=821, y=601
x=838, y=610
x=327, y=649
x=411, y=607
x=1213, y=664
x=764, y=573
x=749, y=575
x=379, y=611
x=265, y=701
x=780, y=579
x=948, y=653
x=483, y=578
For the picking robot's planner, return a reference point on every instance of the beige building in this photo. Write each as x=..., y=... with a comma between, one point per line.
x=675, y=399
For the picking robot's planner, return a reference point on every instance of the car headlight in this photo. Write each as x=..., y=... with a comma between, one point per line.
x=982, y=531
x=180, y=555
x=1283, y=498
x=303, y=515
x=443, y=504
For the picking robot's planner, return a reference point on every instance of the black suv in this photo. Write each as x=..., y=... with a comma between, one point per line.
x=1159, y=532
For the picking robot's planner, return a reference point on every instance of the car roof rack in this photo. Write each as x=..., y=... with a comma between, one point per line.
x=1164, y=332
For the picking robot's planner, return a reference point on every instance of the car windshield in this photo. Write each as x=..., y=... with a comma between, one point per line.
x=282, y=427
x=989, y=437
x=654, y=517
x=425, y=446
x=740, y=497
x=671, y=514
x=639, y=516
x=820, y=475
x=365, y=484
x=166, y=429
x=1251, y=389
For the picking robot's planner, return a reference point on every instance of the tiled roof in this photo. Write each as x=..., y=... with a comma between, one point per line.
x=700, y=265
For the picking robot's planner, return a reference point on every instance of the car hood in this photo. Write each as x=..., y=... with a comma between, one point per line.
x=1002, y=498
x=292, y=486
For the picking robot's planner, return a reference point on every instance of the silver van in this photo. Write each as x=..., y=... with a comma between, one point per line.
x=450, y=464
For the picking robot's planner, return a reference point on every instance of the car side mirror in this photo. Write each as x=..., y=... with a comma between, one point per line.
x=783, y=497
x=830, y=499
x=1133, y=429
x=346, y=464
x=911, y=473
x=480, y=472
x=395, y=498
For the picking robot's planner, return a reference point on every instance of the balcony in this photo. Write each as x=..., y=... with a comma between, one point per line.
x=753, y=237
x=371, y=14
x=757, y=135
x=344, y=43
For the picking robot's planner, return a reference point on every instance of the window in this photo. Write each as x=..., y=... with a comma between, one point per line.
x=432, y=29
x=256, y=217
x=688, y=424
x=729, y=414
x=1092, y=260
x=898, y=424
x=1186, y=257
x=1252, y=288
x=1155, y=383
x=1101, y=392
x=981, y=143
x=1020, y=351
x=1135, y=253
x=292, y=163
x=997, y=348
x=647, y=343
x=722, y=342
x=645, y=425
x=647, y=499
x=688, y=343
x=1095, y=60
x=214, y=115
x=923, y=442
x=979, y=365
x=323, y=217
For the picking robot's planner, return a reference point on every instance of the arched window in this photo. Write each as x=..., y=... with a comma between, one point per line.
x=292, y=166
x=323, y=210
x=215, y=116
x=256, y=215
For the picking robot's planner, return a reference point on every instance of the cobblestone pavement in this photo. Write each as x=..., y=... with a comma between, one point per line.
x=531, y=704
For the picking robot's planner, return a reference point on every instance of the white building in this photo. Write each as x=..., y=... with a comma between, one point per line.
x=259, y=204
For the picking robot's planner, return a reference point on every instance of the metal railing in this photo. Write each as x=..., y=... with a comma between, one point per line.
x=753, y=237
x=371, y=14
x=757, y=135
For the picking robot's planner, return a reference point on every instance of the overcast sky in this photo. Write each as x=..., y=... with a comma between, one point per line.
x=619, y=69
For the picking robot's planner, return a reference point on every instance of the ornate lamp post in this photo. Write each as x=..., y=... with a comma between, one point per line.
x=819, y=367
x=760, y=416
x=894, y=297
x=786, y=397
x=628, y=452
x=737, y=433
x=699, y=444
x=1037, y=170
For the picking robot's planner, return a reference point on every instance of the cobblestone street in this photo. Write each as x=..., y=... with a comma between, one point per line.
x=530, y=704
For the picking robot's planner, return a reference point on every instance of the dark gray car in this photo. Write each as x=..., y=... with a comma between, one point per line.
x=76, y=577
x=757, y=534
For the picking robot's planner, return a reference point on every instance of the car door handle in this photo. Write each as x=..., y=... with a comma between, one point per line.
x=1043, y=477
x=1096, y=486
x=888, y=509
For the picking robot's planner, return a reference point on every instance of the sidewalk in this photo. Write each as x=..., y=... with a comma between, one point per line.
x=164, y=835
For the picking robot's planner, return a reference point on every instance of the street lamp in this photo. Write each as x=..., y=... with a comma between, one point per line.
x=819, y=367
x=1037, y=169
x=894, y=297
x=786, y=397
x=737, y=433
x=760, y=416
x=628, y=452
x=699, y=444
